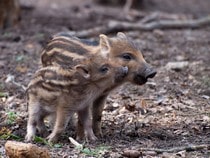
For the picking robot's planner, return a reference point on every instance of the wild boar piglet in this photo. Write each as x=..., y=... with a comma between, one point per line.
x=61, y=91
x=69, y=51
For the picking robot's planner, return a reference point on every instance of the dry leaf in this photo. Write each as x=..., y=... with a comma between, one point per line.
x=130, y=107
x=21, y=68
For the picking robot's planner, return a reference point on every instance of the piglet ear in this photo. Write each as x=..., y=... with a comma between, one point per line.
x=105, y=45
x=83, y=70
x=121, y=35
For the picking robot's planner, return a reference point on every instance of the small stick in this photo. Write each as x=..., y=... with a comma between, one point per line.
x=114, y=26
x=138, y=152
x=177, y=149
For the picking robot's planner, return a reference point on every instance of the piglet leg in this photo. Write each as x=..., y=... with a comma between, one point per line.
x=98, y=107
x=34, y=111
x=62, y=118
x=85, y=120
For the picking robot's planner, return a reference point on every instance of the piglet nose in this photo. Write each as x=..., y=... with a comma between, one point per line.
x=150, y=73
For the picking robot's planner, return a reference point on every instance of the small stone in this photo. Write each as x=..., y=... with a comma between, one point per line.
x=177, y=66
x=180, y=58
x=151, y=85
x=131, y=153
x=158, y=32
x=149, y=153
x=206, y=118
x=115, y=105
x=181, y=153
x=205, y=96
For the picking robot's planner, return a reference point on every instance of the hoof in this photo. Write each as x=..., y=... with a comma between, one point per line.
x=29, y=138
x=52, y=139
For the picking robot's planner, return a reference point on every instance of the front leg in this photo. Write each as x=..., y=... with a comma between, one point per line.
x=97, y=110
x=62, y=118
x=84, y=121
x=34, y=119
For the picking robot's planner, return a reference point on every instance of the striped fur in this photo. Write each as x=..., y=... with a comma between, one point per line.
x=61, y=91
x=51, y=77
x=68, y=51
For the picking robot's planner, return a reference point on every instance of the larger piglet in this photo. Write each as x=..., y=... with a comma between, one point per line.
x=66, y=50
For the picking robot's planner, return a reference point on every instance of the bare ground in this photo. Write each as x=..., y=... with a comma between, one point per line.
x=172, y=110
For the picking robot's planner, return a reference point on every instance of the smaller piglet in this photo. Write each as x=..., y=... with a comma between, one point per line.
x=59, y=91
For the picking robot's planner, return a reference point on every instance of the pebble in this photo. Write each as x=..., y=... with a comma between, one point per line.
x=177, y=66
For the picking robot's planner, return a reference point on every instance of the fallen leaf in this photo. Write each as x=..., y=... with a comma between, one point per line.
x=21, y=68
x=130, y=107
x=143, y=103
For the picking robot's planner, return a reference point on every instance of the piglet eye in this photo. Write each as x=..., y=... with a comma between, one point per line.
x=104, y=69
x=127, y=56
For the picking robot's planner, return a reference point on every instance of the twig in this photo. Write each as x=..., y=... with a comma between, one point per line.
x=114, y=26
x=159, y=15
x=161, y=24
x=149, y=18
x=195, y=114
x=75, y=143
x=177, y=149
x=90, y=32
x=139, y=152
x=127, y=6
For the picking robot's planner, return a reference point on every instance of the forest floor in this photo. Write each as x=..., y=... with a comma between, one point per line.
x=171, y=111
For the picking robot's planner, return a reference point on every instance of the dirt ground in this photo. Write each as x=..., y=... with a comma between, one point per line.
x=171, y=111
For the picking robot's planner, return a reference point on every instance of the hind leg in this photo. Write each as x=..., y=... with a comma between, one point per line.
x=41, y=125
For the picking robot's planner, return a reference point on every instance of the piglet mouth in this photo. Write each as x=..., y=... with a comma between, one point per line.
x=140, y=80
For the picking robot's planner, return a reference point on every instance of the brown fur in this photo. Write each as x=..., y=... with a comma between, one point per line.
x=122, y=51
x=61, y=91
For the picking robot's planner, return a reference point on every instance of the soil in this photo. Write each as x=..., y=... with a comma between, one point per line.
x=171, y=110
